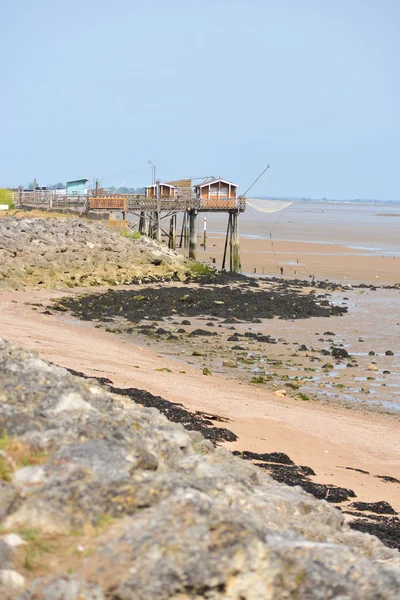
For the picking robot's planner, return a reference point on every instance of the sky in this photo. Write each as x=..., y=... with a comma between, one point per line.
x=94, y=88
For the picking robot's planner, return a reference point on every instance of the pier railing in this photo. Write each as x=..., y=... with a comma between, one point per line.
x=140, y=203
x=49, y=199
x=130, y=202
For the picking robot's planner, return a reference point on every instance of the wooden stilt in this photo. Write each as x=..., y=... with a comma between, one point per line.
x=192, y=240
x=231, y=246
x=187, y=233
x=151, y=225
x=183, y=230
x=146, y=224
x=170, y=234
x=236, y=264
x=142, y=223
x=158, y=214
x=226, y=242
x=173, y=232
x=157, y=235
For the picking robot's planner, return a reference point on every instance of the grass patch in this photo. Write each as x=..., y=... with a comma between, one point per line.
x=6, y=198
x=303, y=397
x=258, y=379
x=199, y=270
x=103, y=520
x=16, y=455
x=132, y=235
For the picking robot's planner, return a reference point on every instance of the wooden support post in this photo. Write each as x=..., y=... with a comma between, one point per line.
x=142, y=223
x=157, y=215
x=226, y=242
x=236, y=264
x=183, y=229
x=146, y=224
x=170, y=233
x=192, y=240
x=173, y=232
x=152, y=224
x=231, y=245
x=186, y=237
x=157, y=233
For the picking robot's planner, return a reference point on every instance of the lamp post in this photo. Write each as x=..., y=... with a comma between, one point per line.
x=153, y=169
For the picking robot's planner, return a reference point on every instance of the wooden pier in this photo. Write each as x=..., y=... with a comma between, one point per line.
x=150, y=213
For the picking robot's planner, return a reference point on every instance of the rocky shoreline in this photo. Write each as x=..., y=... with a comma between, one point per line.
x=379, y=518
x=69, y=252
x=102, y=498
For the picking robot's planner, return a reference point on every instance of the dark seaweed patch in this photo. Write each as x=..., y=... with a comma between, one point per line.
x=387, y=529
x=225, y=303
x=380, y=508
x=178, y=414
x=268, y=457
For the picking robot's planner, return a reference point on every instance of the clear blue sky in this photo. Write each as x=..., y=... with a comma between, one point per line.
x=95, y=88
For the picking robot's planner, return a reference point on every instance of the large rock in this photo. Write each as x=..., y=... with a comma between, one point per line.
x=135, y=507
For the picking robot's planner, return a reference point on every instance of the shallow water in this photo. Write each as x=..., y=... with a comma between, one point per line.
x=359, y=226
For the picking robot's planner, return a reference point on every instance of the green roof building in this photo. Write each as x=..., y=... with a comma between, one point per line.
x=76, y=187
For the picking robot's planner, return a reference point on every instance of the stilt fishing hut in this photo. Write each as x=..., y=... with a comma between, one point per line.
x=164, y=200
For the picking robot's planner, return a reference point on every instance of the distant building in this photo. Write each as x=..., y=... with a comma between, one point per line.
x=76, y=187
x=167, y=190
x=216, y=189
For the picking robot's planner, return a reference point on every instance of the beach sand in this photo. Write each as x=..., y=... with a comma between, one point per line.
x=327, y=438
x=325, y=261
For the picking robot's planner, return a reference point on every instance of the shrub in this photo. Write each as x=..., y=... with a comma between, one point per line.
x=6, y=198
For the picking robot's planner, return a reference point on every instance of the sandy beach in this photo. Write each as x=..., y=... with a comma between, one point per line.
x=330, y=439
x=296, y=370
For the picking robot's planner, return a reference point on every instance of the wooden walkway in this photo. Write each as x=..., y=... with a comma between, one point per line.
x=130, y=202
x=139, y=203
x=151, y=211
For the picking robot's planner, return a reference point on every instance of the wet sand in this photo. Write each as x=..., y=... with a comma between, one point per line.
x=303, y=259
x=344, y=242
x=326, y=438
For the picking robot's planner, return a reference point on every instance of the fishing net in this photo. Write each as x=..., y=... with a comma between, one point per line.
x=268, y=206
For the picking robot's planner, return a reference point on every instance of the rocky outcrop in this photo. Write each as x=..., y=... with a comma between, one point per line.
x=102, y=498
x=69, y=252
